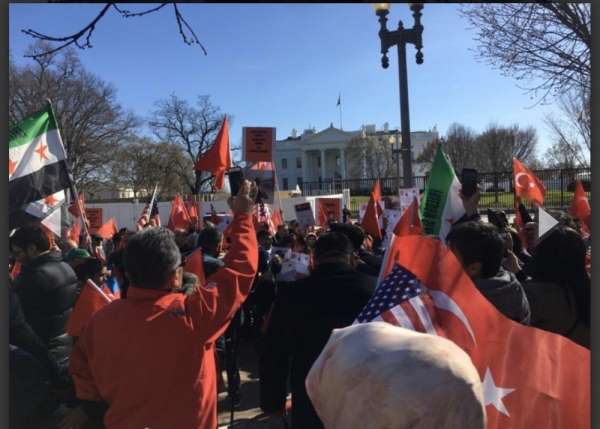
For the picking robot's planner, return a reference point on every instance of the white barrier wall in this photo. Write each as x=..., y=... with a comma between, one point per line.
x=127, y=214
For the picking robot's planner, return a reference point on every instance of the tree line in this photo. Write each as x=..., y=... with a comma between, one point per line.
x=108, y=146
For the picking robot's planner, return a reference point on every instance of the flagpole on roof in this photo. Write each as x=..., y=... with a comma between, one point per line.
x=339, y=103
x=72, y=186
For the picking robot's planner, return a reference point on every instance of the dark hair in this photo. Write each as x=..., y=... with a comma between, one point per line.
x=209, y=238
x=355, y=233
x=88, y=268
x=478, y=242
x=117, y=260
x=31, y=235
x=333, y=244
x=262, y=234
x=560, y=258
x=151, y=256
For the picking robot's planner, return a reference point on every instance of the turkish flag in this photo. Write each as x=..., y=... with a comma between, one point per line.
x=531, y=378
x=91, y=299
x=75, y=231
x=109, y=229
x=527, y=185
x=370, y=221
x=580, y=206
x=192, y=209
x=410, y=222
x=217, y=159
x=179, y=218
x=194, y=264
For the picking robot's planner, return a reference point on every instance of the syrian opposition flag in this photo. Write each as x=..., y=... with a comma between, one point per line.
x=37, y=165
x=530, y=378
x=442, y=205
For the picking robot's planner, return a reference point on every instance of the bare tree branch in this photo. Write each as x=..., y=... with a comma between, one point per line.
x=81, y=39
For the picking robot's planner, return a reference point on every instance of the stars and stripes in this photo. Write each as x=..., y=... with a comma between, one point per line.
x=400, y=299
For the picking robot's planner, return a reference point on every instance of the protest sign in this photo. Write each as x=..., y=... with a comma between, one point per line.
x=258, y=143
x=328, y=209
x=406, y=197
x=94, y=216
x=304, y=215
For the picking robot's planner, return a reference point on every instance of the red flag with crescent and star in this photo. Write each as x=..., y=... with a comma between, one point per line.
x=530, y=378
x=527, y=185
x=580, y=207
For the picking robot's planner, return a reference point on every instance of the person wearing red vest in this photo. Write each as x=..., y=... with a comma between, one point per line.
x=148, y=360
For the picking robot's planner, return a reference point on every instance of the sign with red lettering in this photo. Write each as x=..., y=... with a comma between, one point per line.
x=329, y=209
x=94, y=216
x=258, y=143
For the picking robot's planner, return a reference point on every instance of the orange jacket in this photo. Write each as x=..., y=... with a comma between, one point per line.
x=151, y=356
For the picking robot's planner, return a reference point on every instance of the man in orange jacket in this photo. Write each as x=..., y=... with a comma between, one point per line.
x=150, y=357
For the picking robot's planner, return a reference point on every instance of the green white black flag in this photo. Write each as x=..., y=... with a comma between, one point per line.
x=37, y=169
x=442, y=205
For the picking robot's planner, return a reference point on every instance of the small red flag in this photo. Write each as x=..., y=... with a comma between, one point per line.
x=91, y=299
x=194, y=264
x=192, y=209
x=410, y=222
x=527, y=185
x=217, y=159
x=179, y=217
x=75, y=231
x=15, y=270
x=370, y=221
x=109, y=229
x=580, y=206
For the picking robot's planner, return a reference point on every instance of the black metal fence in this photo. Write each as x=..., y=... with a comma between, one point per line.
x=496, y=188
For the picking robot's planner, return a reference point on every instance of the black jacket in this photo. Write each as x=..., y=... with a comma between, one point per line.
x=553, y=309
x=304, y=314
x=22, y=336
x=506, y=293
x=47, y=289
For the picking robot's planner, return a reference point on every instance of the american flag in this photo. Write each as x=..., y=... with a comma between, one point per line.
x=400, y=299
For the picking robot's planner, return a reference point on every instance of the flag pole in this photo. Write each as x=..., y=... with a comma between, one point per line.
x=72, y=182
x=340, y=104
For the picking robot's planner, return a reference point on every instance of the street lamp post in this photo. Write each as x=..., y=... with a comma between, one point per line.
x=401, y=37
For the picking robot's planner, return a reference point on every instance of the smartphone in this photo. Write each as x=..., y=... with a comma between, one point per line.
x=469, y=181
x=236, y=178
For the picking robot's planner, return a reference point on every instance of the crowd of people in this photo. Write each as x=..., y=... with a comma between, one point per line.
x=154, y=358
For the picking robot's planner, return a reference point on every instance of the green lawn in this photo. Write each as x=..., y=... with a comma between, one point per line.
x=503, y=200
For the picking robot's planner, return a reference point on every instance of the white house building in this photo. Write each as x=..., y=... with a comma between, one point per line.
x=322, y=156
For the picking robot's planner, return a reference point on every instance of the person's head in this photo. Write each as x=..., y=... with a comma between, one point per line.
x=530, y=231
x=264, y=239
x=355, y=233
x=412, y=380
x=560, y=258
x=29, y=242
x=209, y=240
x=181, y=237
x=311, y=240
x=153, y=260
x=76, y=256
x=92, y=268
x=333, y=247
x=96, y=240
x=479, y=248
x=282, y=230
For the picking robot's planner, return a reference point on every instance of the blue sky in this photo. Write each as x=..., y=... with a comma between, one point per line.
x=283, y=65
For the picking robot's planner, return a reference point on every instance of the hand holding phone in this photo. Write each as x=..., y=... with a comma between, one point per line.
x=236, y=178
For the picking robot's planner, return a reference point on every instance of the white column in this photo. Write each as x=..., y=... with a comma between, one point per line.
x=343, y=162
x=304, y=167
x=323, y=164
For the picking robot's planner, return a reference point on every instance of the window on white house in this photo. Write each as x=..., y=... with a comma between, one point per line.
x=283, y=164
x=285, y=183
